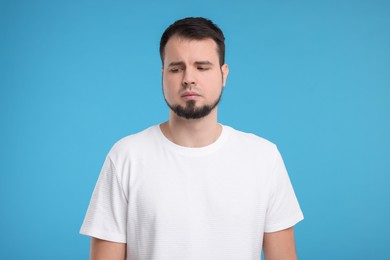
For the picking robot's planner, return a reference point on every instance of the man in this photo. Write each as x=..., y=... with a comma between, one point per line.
x=191, y=188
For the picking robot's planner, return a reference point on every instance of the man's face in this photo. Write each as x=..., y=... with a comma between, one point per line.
x=192, y=77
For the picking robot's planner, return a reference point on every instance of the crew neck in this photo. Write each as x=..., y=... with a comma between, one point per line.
x=193, y=151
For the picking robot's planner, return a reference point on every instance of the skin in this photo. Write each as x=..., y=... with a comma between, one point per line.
x=192, y=71
x=192, y=65
x=280, y=245
x=102, y=250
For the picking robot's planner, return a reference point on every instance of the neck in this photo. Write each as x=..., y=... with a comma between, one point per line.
x=192, y=132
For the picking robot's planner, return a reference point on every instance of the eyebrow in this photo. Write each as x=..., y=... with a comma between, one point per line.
x=181, y=63
x=176, y=63
x=206, y=62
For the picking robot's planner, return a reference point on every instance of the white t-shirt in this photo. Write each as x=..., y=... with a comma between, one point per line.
x=169, y=202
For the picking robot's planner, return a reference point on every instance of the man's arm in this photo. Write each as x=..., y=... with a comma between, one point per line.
x=102, y=250
x=280, y=245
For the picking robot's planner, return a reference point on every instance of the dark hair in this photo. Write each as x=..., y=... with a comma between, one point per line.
x=195, y=28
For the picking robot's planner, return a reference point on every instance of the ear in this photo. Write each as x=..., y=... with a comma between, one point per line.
x=225, y=73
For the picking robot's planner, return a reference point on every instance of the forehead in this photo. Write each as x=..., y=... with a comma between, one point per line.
x=183, y=49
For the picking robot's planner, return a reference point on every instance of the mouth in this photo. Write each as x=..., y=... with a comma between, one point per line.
x=188, y=95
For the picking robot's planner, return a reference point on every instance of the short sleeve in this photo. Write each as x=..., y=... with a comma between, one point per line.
x=107, y=212
x=283, y=208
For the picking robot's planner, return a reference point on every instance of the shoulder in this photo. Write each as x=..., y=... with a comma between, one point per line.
x=253, y=147
x=134, y=143
x=250, y=140
x=135, y=139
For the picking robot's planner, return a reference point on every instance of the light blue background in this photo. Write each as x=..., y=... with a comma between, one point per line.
x=311, y=76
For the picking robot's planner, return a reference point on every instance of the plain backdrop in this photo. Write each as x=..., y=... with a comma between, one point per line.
x=311, y=76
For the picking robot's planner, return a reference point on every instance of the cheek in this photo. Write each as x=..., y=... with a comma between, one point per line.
x=170, y=81
x=216, y=82
x=168, y=87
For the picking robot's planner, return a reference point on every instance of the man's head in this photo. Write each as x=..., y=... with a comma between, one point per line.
x=194, y=73
x=195, y=28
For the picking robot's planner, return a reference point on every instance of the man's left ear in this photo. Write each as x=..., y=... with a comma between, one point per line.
x=225, y=73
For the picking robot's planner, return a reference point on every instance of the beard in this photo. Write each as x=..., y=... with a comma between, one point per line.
x=191, y=111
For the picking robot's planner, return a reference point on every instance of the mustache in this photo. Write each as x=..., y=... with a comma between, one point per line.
x=189, y=88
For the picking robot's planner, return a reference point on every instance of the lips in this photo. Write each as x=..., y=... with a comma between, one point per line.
x=190, y=94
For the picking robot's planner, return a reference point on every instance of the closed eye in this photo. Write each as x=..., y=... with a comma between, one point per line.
x=175, y=69
x=203, y=65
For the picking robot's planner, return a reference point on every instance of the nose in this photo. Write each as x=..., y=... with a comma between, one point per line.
x=188, y=79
